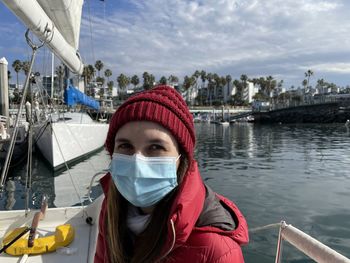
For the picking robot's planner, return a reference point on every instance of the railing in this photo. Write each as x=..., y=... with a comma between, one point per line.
x=307, y=102
x=308, y=245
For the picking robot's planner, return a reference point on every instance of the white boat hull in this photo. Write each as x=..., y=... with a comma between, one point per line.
x=66, y=142
x=84, y=242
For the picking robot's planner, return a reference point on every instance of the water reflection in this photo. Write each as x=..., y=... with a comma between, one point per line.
x=298, y=173
x=57, y=186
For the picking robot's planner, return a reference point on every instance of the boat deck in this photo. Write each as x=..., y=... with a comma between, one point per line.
x=83, y=246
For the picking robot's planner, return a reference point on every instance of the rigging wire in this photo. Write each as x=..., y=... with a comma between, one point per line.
x=90, y=27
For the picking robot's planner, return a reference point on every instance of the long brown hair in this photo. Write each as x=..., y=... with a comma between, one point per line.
x=148, y=245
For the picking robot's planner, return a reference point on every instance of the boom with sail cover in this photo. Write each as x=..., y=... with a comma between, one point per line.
x=73, y=96
x=62, y=18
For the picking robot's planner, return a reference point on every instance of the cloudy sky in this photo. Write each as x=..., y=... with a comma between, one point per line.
x=281, y=38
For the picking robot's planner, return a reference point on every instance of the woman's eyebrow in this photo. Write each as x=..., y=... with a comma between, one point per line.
x=159, y=141
x=122, y=140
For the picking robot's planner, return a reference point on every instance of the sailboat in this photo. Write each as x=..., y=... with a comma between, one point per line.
x=62, y=19
x=71, y=135
x=56, y=24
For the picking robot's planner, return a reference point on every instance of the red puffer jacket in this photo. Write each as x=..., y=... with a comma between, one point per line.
x=203, y=226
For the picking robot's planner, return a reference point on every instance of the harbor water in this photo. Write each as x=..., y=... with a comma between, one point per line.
x=297, y=173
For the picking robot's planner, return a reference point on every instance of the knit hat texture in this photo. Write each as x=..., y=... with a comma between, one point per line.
x=162, y=105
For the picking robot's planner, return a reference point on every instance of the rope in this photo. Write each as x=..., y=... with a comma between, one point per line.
x=68, y=170
x=269, y=226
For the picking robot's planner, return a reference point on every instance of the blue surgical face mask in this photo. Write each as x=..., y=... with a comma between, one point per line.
x=143, y=181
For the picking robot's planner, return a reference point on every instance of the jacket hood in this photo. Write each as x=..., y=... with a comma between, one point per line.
x=197, y=208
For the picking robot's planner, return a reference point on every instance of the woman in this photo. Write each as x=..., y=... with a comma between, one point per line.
x=156, y=206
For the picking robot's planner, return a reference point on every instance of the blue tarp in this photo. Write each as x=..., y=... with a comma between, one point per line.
x=73, y=96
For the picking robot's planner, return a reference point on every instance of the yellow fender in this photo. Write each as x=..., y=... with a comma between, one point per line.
x=63, y=236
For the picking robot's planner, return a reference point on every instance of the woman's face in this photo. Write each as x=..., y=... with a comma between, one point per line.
x=147, y=138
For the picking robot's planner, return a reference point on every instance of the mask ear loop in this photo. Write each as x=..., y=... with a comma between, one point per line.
x=177, y=158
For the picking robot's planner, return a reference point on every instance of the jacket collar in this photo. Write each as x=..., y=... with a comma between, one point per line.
x=188, y=206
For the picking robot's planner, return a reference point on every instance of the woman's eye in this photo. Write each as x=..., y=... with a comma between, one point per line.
x=156, y=147
x=124, y=146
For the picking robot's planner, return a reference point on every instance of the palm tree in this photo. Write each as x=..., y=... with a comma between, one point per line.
x=110, y=85
x=25, y=67
x=173, y=79
x=163, y=80
x=304, y=83
x=60, y=74
x=100, y=81
x=308, y=74
x=135, y=80
x=188, y=84
x=88, y=74
x=99, y=66
x=17, y=66
x=148, y=80
x=244, y=79
x=217, y=83
x=196, y=75
x=228, y=82
x=270, y=84
x=108, y=73
x=123, y=82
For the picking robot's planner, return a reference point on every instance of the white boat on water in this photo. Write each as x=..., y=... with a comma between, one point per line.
x=224, y=123
x=4, y=135
x=57, y=23
x=71, y=136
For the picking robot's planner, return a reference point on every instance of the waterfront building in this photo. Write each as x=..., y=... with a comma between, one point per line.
x=47, y=82
x=249, y=92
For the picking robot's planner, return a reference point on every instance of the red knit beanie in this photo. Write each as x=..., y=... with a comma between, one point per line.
x=163, y=105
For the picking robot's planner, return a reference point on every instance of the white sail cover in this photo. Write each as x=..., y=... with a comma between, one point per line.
x=61, y=16
x=66, y=15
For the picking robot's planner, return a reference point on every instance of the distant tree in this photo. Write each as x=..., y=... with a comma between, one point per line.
x=9, y=75
x=88, y=75
x=211, y=84
x=59, y=71
x=308, y=74
x=101, y=92
x=25, y=67
x=228, y=81
x=203, y=77
x=100, y=81
x=163, y=80
x=173, y=79
x=123, y=82
x=17, y=66
x=135, y=80
x=148, y=80
x=99, y=66
x=304, y=83
x=110, y=85
x=189, y=82
x=108, y=73
x=270, y=84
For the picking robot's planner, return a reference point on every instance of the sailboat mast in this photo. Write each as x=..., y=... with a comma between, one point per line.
x=52, y=72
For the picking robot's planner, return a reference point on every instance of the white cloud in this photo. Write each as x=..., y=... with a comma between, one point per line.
x=340, y=68
x=281, y=38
